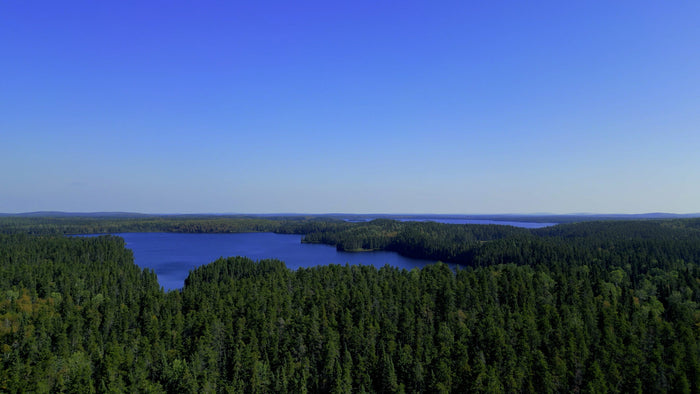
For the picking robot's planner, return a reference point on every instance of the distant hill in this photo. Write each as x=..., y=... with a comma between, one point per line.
x=60, y=214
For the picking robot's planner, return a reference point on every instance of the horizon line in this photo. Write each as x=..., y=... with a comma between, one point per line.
x=93, y=213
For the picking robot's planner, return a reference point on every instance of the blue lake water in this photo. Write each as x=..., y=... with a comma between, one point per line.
x=173, y=255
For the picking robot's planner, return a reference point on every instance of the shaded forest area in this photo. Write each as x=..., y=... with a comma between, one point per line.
x=587, y=307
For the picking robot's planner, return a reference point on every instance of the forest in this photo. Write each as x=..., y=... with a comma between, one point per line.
x=593, y=307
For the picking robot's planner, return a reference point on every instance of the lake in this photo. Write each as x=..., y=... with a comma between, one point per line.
x=481, y=221
x=173, y=255
x=457, y=220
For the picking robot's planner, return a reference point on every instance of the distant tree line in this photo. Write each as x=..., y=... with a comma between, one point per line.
x=175, y=224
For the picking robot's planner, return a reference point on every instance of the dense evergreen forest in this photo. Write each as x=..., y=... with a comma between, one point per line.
x=177, y=224
x=585, y=307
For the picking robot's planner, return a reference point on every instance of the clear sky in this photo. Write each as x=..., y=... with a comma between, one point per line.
x=359, y=106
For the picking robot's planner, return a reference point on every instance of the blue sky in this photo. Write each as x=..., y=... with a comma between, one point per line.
x=365, y=106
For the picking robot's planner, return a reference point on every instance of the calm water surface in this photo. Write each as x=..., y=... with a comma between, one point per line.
x=481, y=221
x=173, y=255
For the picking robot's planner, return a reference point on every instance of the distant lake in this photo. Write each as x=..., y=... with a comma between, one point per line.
x=173, y=255
x=464, y=221
x=482, y=221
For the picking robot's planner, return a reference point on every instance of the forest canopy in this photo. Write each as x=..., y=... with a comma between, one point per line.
x=590, y=307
